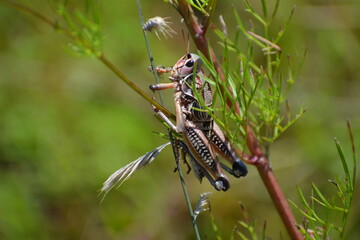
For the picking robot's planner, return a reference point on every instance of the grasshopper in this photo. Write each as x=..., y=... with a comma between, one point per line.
x=202, y=137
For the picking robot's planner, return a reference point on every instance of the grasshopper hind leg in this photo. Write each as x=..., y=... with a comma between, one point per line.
x=223, y=147
x=221, y=183
x=239, y=169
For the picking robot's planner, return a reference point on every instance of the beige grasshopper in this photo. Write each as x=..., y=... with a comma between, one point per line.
x=202, y=137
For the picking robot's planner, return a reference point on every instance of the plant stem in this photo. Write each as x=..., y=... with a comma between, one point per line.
x=188, y=202
x=276, y=194
x=134, y=87
x=149, y=50
x=183, y=185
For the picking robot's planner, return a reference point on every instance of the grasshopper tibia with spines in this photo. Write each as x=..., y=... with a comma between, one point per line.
x=202, y=137
x=200, y=172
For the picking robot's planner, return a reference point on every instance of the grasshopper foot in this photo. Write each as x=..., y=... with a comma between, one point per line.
x=222, y=183
x=239, y=169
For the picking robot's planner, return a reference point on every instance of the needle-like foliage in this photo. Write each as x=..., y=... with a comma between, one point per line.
x=261, y=90
x=325, y=217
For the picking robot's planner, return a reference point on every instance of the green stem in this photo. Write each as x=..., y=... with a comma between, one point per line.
x=268, y=55
x=183, y=185
x=188, y=202
x=25, y=9
x=134, y=87
x=149, y=50
x=350, y=189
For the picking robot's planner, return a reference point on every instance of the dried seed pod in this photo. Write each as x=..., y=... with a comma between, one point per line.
x=159, y=24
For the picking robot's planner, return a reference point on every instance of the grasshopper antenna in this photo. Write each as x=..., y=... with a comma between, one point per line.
x=188, y=34
x=187, y=39
x=188, y=43
x=187, y=47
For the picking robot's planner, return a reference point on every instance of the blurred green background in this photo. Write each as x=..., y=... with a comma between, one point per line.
x=67, y=123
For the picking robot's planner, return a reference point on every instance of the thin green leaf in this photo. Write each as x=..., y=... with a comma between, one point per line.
x=331, y=207
x=263, y=235
x=302, y=212
x=281, y=32
x=344, y=163
x=275, y=10
x=254, y=13
x=309, y=208
x=264, y=7
x=353, y=151
x=321, y=196
x=215, y=227
x=239, y=21
x=199, y=5
x=241, y=235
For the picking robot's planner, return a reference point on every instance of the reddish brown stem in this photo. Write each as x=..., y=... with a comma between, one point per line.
x=257, y=157
x=276, y=194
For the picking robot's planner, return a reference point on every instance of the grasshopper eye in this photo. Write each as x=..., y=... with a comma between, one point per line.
x=189, y=63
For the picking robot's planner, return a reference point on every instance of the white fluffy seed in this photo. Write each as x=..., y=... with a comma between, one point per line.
x=159, y=24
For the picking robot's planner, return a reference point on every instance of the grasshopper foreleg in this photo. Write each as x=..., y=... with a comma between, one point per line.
x=161, y=86
x=160, y=69
x=165, y=119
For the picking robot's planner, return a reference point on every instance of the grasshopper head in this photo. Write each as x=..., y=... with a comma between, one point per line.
x=186, y=65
